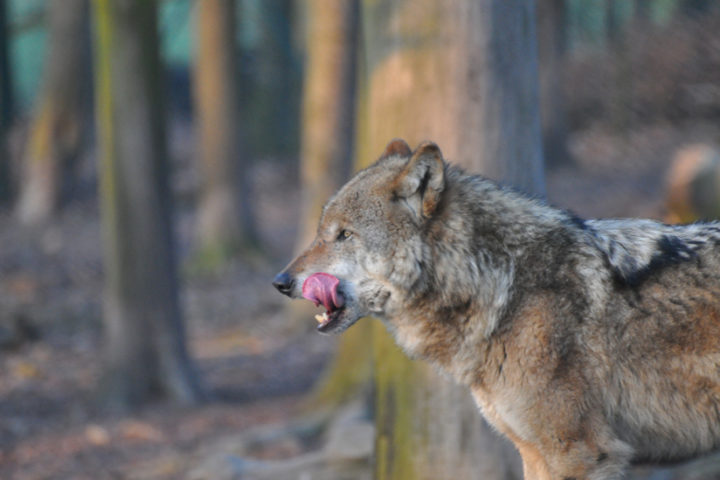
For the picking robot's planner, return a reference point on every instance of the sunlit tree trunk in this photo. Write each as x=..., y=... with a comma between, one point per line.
x=145, y=356
x=6, y=107
x=221, y=226
x=463, y=74
x=55, y=130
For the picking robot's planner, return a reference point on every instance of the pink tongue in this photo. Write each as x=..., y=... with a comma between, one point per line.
x=322, y=288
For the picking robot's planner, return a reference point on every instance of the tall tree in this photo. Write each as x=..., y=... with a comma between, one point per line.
x=275, y=103
x=146, y=356
x=642, y=12
x=270, y=74
x=6, y=107
x=55, y=131
x=465, y=75
x=221, y=226
x=612, y=24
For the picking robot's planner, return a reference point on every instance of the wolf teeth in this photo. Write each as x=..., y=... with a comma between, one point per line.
x=321, y=318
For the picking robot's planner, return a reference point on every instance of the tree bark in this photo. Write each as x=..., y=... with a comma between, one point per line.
x=465, y=75
x=454, y=66
x=221, y=227
x=55, y=132
x=274, y=103
x=642, y=12
x=612, y=27
x=146, y=356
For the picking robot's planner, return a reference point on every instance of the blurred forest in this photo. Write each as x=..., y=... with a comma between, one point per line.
x=161, y=160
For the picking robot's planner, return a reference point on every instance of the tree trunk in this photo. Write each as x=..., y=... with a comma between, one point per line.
x=55, y=132
x=612, y=27
x=274, y=102
x=642, y=12
x=146, y=355
x=470, y=95
x=552, y=42
x=463, y=74
x=6, y=106
x=221, y=226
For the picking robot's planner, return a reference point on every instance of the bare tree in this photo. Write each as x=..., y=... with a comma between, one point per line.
x=146, y=354
x=221, y=227
x=465, y=75
x=55, y=131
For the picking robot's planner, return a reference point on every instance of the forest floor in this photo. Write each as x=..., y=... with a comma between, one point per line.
x=256, y=364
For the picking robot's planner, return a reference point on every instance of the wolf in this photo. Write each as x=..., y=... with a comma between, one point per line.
x=591, y=344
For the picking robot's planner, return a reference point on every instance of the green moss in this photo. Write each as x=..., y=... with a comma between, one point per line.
x=351, y=369
x=102, y=21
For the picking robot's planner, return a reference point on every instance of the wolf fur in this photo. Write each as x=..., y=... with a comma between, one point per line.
x=591, y=344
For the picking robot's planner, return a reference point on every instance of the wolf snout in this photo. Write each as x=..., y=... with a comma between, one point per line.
x=284, y=283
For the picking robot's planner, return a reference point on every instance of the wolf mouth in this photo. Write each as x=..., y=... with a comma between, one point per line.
x=329, y=320
x=322, y=288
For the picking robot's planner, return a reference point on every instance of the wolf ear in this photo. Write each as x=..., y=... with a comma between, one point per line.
x=397, y=146
x=422, y=180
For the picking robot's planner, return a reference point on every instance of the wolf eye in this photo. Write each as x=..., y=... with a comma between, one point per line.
x=344, y=235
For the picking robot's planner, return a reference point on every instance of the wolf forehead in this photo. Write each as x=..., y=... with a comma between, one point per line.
x=360, y=194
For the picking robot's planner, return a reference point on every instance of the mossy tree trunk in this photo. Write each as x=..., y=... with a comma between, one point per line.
x=463, y=74
x=6, y=106
x=222, y=227
x=55, y=131
x=145, y=356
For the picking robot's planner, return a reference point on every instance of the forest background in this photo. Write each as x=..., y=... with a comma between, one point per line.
x=161, y=160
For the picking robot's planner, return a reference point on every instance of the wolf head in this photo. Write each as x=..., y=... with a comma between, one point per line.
x=368, y=252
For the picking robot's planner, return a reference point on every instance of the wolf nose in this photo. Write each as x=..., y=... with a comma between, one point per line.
x=284, y=283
